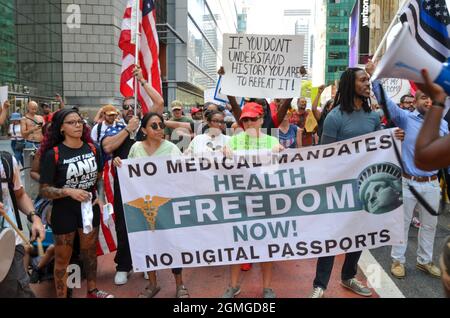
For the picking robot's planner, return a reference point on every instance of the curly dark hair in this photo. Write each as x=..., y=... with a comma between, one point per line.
x=53, y=135
x=347, y=92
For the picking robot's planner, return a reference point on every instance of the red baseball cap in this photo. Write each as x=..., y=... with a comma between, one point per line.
x=194, y=110
x=251, y=110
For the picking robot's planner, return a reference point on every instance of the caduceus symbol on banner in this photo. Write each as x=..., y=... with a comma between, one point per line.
x=149, y=207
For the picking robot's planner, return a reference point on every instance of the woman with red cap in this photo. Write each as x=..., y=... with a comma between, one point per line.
x=252, y=138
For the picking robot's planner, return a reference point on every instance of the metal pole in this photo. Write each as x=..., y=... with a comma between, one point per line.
x=136, y=54
x=393, y=22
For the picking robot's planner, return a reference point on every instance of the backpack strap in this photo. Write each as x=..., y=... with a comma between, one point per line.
x=93, y=148
x=8, y=166
x=99, y=131
x=56, y=151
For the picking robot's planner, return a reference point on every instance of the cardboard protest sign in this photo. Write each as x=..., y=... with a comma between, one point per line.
x=264, y=66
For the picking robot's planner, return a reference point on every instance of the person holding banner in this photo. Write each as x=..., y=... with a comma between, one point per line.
x=117, y=142
x=351, y=117
x=252, y=138
x=271, y=120
x=71, y=176
x=425, y=182
x=154, y=144
x=213, y=139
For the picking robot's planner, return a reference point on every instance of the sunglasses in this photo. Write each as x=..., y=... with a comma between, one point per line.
x=247, y=119
x=127, y=107
x=154, y=126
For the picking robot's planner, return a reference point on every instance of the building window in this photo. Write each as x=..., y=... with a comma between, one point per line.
x=336, y=68
x=341, y=42
x=337, y=55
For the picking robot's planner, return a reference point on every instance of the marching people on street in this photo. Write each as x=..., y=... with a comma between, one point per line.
x=351, y=117
x=117, y=142
x=110, y=119
x=17, y=141
x=251, y=119
x=425, y=182
x=213, y=140
x=31, y=127
x=14, y=198
x=154, y=144
x=76, y=193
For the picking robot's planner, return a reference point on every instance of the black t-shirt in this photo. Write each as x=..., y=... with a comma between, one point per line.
x=75, y=169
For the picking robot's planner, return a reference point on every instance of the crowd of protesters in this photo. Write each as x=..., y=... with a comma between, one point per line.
x=64, y=139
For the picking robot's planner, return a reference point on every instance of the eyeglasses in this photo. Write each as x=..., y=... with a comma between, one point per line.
x=212, y=147
x=247, y=119
x=154, y=126
x=74, y=122
x=127, y=107
x=216, y=121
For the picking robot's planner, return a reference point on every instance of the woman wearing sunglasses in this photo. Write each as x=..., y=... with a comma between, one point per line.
x=154, y=144
x=252, y=139
x=213, y=139
x=71, y=176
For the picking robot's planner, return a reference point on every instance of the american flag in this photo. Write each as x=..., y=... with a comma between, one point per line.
x=107, y=238
x=429, y=22
x=148, y=51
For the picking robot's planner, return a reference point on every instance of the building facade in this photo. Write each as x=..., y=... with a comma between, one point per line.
x=320, y=39
x=299, y=22
x=70, y=47
x=193, y=63
x=382, y=13
x=337, y=39
x=31, y=50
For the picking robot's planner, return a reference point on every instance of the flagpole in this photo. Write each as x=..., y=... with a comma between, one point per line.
x=136, y=54
x=393, y=22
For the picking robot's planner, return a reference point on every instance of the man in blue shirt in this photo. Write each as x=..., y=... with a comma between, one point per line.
x=425, y=182
x=351, y=117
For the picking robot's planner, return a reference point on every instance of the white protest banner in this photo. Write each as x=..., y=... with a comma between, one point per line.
x=311, y=202
x=264, y=66
x=3, y=94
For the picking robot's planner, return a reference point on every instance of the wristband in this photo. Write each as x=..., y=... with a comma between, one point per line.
x=440, y=104
x=30, y=216
x=143, y=82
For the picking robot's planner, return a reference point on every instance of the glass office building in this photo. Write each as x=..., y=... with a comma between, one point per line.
x=193, y=60
x=31, y=50
x=337, y=46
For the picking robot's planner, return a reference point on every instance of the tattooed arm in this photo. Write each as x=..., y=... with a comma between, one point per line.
x=52, y=193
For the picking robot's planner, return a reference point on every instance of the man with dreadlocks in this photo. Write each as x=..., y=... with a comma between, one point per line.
x=425, y=182
x=351, y=117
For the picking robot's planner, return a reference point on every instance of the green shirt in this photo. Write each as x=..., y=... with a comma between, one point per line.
x=165, y=149
x=243, y=141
